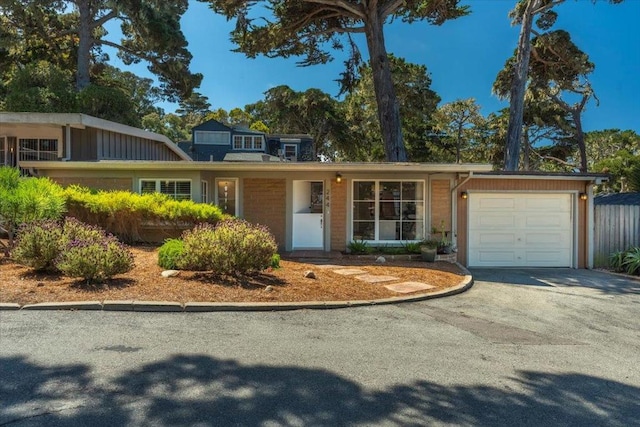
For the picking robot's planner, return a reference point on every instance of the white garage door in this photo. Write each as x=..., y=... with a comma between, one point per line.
x=520, y=230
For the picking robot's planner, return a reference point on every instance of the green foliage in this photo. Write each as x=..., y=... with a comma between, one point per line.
x=230, y=248
x=170, y=254
x=23, y=200
x=632, y=261
x=626, y=261
x=359, y=247
x=41, y=87
x=275, y=261
x=412, y=247
x=74, y=248
x=622, y=168
x=430, y=243
x=38, y=245
x=417, y=101
x=95, y=261
x=108, y=103
x=122, y=213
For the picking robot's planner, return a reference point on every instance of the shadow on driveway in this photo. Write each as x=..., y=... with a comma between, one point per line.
x=558, y=277
x=200, y=390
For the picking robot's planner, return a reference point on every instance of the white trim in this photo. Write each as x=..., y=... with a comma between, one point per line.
x=204, y=191
x=284, y=151
x=159, y=180
x=551, y=177
x=376, y=201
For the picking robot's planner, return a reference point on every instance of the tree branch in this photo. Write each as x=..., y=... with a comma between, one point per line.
x=390, y=8
x=98, y=22
x=343, y=6
x=140, y=55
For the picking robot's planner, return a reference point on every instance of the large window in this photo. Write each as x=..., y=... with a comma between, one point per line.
x=227, y=195
x=38, y=149
x=179, y=189
x=388, y=210
x=211, y=137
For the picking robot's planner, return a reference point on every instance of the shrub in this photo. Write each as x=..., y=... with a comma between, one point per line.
x=95, y=261
x=232, y=247
x=122, y=212
x=616, y=261
x=359, y=247
x=275, y=261
x=412, y=247
x=23, y=200
x=170, y=253
x=631, y=263
x=38, y=244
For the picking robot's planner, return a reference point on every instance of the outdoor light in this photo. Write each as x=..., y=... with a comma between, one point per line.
x=338, y=178
x=464, y=194
x=583, y=196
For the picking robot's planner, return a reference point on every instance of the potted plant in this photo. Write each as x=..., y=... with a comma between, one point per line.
x=444, y=245
x=428, y=250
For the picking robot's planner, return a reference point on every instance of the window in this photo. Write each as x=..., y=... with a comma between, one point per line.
x=211, y=137
x=388, y=210
x=179, y=189
x=291, y=152
x=247, y=142
x=204, y=191
x=38, y=149
x=227, y=195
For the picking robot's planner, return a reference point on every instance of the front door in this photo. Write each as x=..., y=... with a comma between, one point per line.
x=308, y=215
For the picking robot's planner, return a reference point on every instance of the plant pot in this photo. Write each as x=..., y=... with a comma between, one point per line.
x=428, y=254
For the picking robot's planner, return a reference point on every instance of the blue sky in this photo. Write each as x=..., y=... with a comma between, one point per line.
x=463, y=57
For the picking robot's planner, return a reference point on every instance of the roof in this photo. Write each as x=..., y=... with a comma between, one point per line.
x=595, y=177
x=81, y=121
x=250, y=157
x=617, y=199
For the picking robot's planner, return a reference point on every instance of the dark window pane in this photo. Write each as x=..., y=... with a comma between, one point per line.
x=363, y=230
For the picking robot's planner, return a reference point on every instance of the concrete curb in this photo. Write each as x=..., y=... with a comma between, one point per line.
x=72, y=305
x=194, y=307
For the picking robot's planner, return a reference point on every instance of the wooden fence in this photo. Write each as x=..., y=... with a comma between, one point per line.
x=617, y=228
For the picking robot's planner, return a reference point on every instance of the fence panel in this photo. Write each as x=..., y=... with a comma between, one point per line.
x=617, y=228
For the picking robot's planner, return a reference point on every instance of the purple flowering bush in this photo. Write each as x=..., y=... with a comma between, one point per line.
x=95, y=260
x=38, y=245
x=74, y=248
x=232, y=247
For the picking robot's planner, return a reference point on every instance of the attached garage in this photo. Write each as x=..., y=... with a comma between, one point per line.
x=521, y=229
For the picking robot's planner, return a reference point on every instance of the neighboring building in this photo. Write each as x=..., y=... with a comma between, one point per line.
x=216, y=142
x=494, y=218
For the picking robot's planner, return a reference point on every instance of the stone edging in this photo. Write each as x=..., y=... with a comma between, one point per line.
x=169, y=306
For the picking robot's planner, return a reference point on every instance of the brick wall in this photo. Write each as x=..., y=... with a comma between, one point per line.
x=264, y=202
x=440, y=204
x=338, y=216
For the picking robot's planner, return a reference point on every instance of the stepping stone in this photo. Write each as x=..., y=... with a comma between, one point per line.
x=407, y=287
x=372, y=278
x=349, y=271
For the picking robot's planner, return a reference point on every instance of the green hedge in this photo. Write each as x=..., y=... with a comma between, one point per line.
x=123, y=213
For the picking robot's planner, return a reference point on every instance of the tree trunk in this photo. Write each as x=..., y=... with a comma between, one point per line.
x=527, y=150
x=518, y=86
x=388, y=109
x=84, y=44
x=577, y=120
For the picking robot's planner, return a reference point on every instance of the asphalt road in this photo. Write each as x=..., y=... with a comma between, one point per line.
x=550, y=347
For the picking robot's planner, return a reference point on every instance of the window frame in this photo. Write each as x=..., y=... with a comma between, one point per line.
x=204, y=191
x=158, y=186
x=376, y=207
x=37, y=153
x=248, y=142
x=295, y=148
x=196, y=133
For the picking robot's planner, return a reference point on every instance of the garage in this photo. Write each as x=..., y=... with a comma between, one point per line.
x=520, y=229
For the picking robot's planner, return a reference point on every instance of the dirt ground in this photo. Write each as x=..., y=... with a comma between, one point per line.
x=21, y=285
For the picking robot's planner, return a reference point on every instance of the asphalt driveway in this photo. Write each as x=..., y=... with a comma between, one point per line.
x=522, y=347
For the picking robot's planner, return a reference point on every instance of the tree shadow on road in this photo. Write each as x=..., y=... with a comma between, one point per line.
x=187, y=390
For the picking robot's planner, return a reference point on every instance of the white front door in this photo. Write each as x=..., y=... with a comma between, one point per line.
x=308, y=215
x=520, y=230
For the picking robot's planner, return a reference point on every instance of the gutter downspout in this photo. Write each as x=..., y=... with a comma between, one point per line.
x=454, y=206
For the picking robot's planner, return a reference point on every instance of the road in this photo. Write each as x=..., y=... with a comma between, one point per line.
x=559, y=348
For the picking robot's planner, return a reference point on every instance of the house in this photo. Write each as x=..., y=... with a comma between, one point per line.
x=494, y=218
x=214, y=141
x=617, y=225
